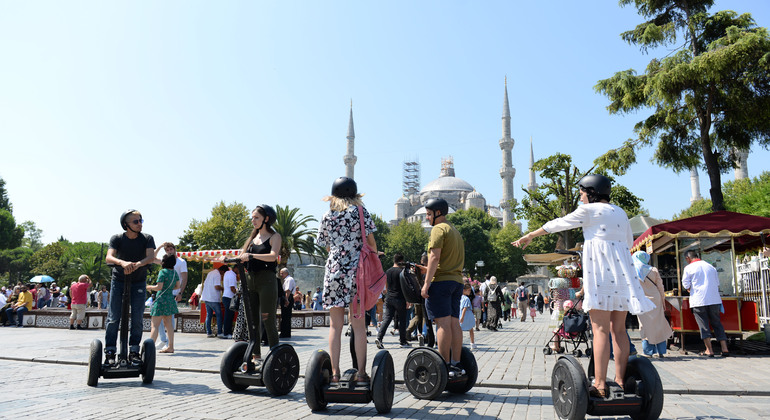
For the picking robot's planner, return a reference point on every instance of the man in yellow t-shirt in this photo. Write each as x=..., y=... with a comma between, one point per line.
x=22, y=305
x=444, y=284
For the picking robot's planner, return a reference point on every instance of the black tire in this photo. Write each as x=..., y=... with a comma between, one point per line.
x=231, y=362
x=562, y=350
x=468, y=362
x=317, y=375
x=148, y=361
x=589, y=352
x=569, y=389
x=383, y=382
x=425, y=373
x=95, y=363
x=547, y=350
x=281, y=370
x=650, y=388
x=577, y=353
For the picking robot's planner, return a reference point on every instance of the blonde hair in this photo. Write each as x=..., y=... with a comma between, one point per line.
x=341, y=204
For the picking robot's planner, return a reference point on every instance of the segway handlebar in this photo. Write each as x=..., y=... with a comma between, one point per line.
x=235, y=260
x=567, y=252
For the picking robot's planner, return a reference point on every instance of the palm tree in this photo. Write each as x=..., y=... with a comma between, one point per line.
x=295, y=234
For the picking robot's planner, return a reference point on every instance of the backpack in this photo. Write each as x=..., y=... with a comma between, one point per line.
x=522, y=294
x=492, y=295
x=410, y=287
x=370, y=278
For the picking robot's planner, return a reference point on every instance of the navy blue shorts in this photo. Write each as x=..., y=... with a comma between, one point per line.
x=444, y=299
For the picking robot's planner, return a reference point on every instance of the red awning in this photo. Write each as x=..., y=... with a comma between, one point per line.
x=745, y=230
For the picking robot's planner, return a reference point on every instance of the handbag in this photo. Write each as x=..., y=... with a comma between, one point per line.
x=370, y=277
x=235, y=303
x=575, y=322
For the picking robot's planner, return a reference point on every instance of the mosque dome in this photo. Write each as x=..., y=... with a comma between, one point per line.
x=475, y=194
x=403, y=200
x=447, y=184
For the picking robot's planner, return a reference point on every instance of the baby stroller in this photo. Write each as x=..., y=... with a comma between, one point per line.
x=573, y=331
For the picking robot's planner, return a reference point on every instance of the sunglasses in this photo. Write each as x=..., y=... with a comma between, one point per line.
x=137, y=221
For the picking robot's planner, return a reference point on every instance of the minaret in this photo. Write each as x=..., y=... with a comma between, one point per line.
x=741, y=159
x=694, y=185
x=507, y=172
x=350, y=158
x=532, y=186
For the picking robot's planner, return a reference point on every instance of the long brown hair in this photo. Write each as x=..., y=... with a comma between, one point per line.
x=255, y=231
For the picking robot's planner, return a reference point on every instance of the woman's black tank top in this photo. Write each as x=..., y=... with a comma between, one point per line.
x=254, y=264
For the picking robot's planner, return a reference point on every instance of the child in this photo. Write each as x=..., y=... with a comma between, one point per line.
x=467, y=320
x=477, y=302
x=532, y=308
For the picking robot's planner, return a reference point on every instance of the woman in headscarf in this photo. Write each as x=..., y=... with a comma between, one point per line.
x=655, y=329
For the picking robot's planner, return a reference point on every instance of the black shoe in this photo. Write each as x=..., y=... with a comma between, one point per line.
x=135, y=359
x=79, y=327
x=109, y=358
x=72, y=327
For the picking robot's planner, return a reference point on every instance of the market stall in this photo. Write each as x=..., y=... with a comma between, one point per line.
x=718, y=237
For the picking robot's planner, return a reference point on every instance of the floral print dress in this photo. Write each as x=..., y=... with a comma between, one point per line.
x=340, y=231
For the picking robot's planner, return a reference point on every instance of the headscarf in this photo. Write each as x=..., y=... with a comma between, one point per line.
x=642, y=264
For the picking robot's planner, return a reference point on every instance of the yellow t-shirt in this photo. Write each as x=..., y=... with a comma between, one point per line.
x=25, y=299
x=450, y=264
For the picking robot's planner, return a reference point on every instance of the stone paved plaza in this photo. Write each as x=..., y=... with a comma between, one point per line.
x=50, y=365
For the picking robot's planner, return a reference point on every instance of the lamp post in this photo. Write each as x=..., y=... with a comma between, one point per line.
x=480, y=269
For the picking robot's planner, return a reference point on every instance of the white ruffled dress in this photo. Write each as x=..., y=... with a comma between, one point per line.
x=609, y=278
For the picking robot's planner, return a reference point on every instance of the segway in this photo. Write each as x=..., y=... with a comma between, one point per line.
x=426, y=374
x=319, y=390
x=641, y=396
x=122, y=368
x=280, y=368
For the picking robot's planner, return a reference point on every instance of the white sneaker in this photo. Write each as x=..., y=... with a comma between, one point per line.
x=473, y=346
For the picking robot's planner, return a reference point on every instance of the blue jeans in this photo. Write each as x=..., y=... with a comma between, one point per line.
x=137, y=296
x=650, y=349
x=213, y=309
x=631, y=346
x=19, y=312
x=229, y=315
x=162, y=330
x=372, y=315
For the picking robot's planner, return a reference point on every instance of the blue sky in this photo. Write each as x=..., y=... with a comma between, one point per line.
x=170, y=107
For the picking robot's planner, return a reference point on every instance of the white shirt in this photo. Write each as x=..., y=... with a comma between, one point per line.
x=210, y=294
x=702, y=280
x=230, y=280
x=180, y=267
x=289, y=284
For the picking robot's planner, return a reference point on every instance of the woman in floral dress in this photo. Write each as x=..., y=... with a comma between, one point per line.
x=164, y=305
x=340, y=232
x=610, y=282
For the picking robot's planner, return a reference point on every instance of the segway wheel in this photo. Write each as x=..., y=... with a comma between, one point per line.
x=95, y=363
x=547, y=350
x=425, y=373
x=317, y=375
x=468, y=362
x=281, y=370
x=569, y=389
x=148, y=361
x=650, y=388
x=383, y=381
x=231, y=363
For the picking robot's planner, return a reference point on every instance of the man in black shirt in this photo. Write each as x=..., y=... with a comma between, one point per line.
x=395, y=303
x=129, y=254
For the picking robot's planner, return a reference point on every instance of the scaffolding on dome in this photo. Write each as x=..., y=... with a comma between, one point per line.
x=411, y=178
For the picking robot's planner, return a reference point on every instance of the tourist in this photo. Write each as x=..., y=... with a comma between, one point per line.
x=654, y=328
x=340, y=233
x=467, y=319
x=611, y=285
x=701, y=280
x=230, y=289
x=395, y=303
x=164, y=305
x=180, y=266
x=212, y=297
x=14, y=314
x=288, y=286
x=79, y=293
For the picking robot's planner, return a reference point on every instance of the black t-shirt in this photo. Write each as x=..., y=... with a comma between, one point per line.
x=132, y=250
x=393, y=279
x=255, y=265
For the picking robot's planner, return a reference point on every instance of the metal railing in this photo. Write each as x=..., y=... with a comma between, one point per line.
x=755, y=284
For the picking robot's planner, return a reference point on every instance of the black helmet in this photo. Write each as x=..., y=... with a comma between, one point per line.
x=125, y=214
x=438, y=204
x=269, y=213
x=344, y=187
x=600, y=184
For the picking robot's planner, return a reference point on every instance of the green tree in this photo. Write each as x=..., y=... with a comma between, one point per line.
x=15, y=264
x=50, y=260
x=295, y=235
x=508, y=261
x=381, y=239
x=709, y=96
x=407, y=238
x=475, y=227
x=10, y=234
x=5, y=202
x=225, y=229
x=86, y=258
x=32, y=236
x=749, y=196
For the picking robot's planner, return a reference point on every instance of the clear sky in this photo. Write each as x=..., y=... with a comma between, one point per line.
x=170, y=107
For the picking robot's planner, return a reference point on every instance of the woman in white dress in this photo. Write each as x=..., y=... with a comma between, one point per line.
x=611, y=285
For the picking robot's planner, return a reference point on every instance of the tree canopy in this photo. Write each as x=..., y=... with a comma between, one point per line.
x=295, y=235
x=227, y=228
x=708, y=97
x=749, y=196
x=407, y=238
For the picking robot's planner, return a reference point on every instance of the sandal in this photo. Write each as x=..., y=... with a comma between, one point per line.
x=725, y=354
x=598, y=393
x=703, y=353
x=362, y=379
x=166, y=350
